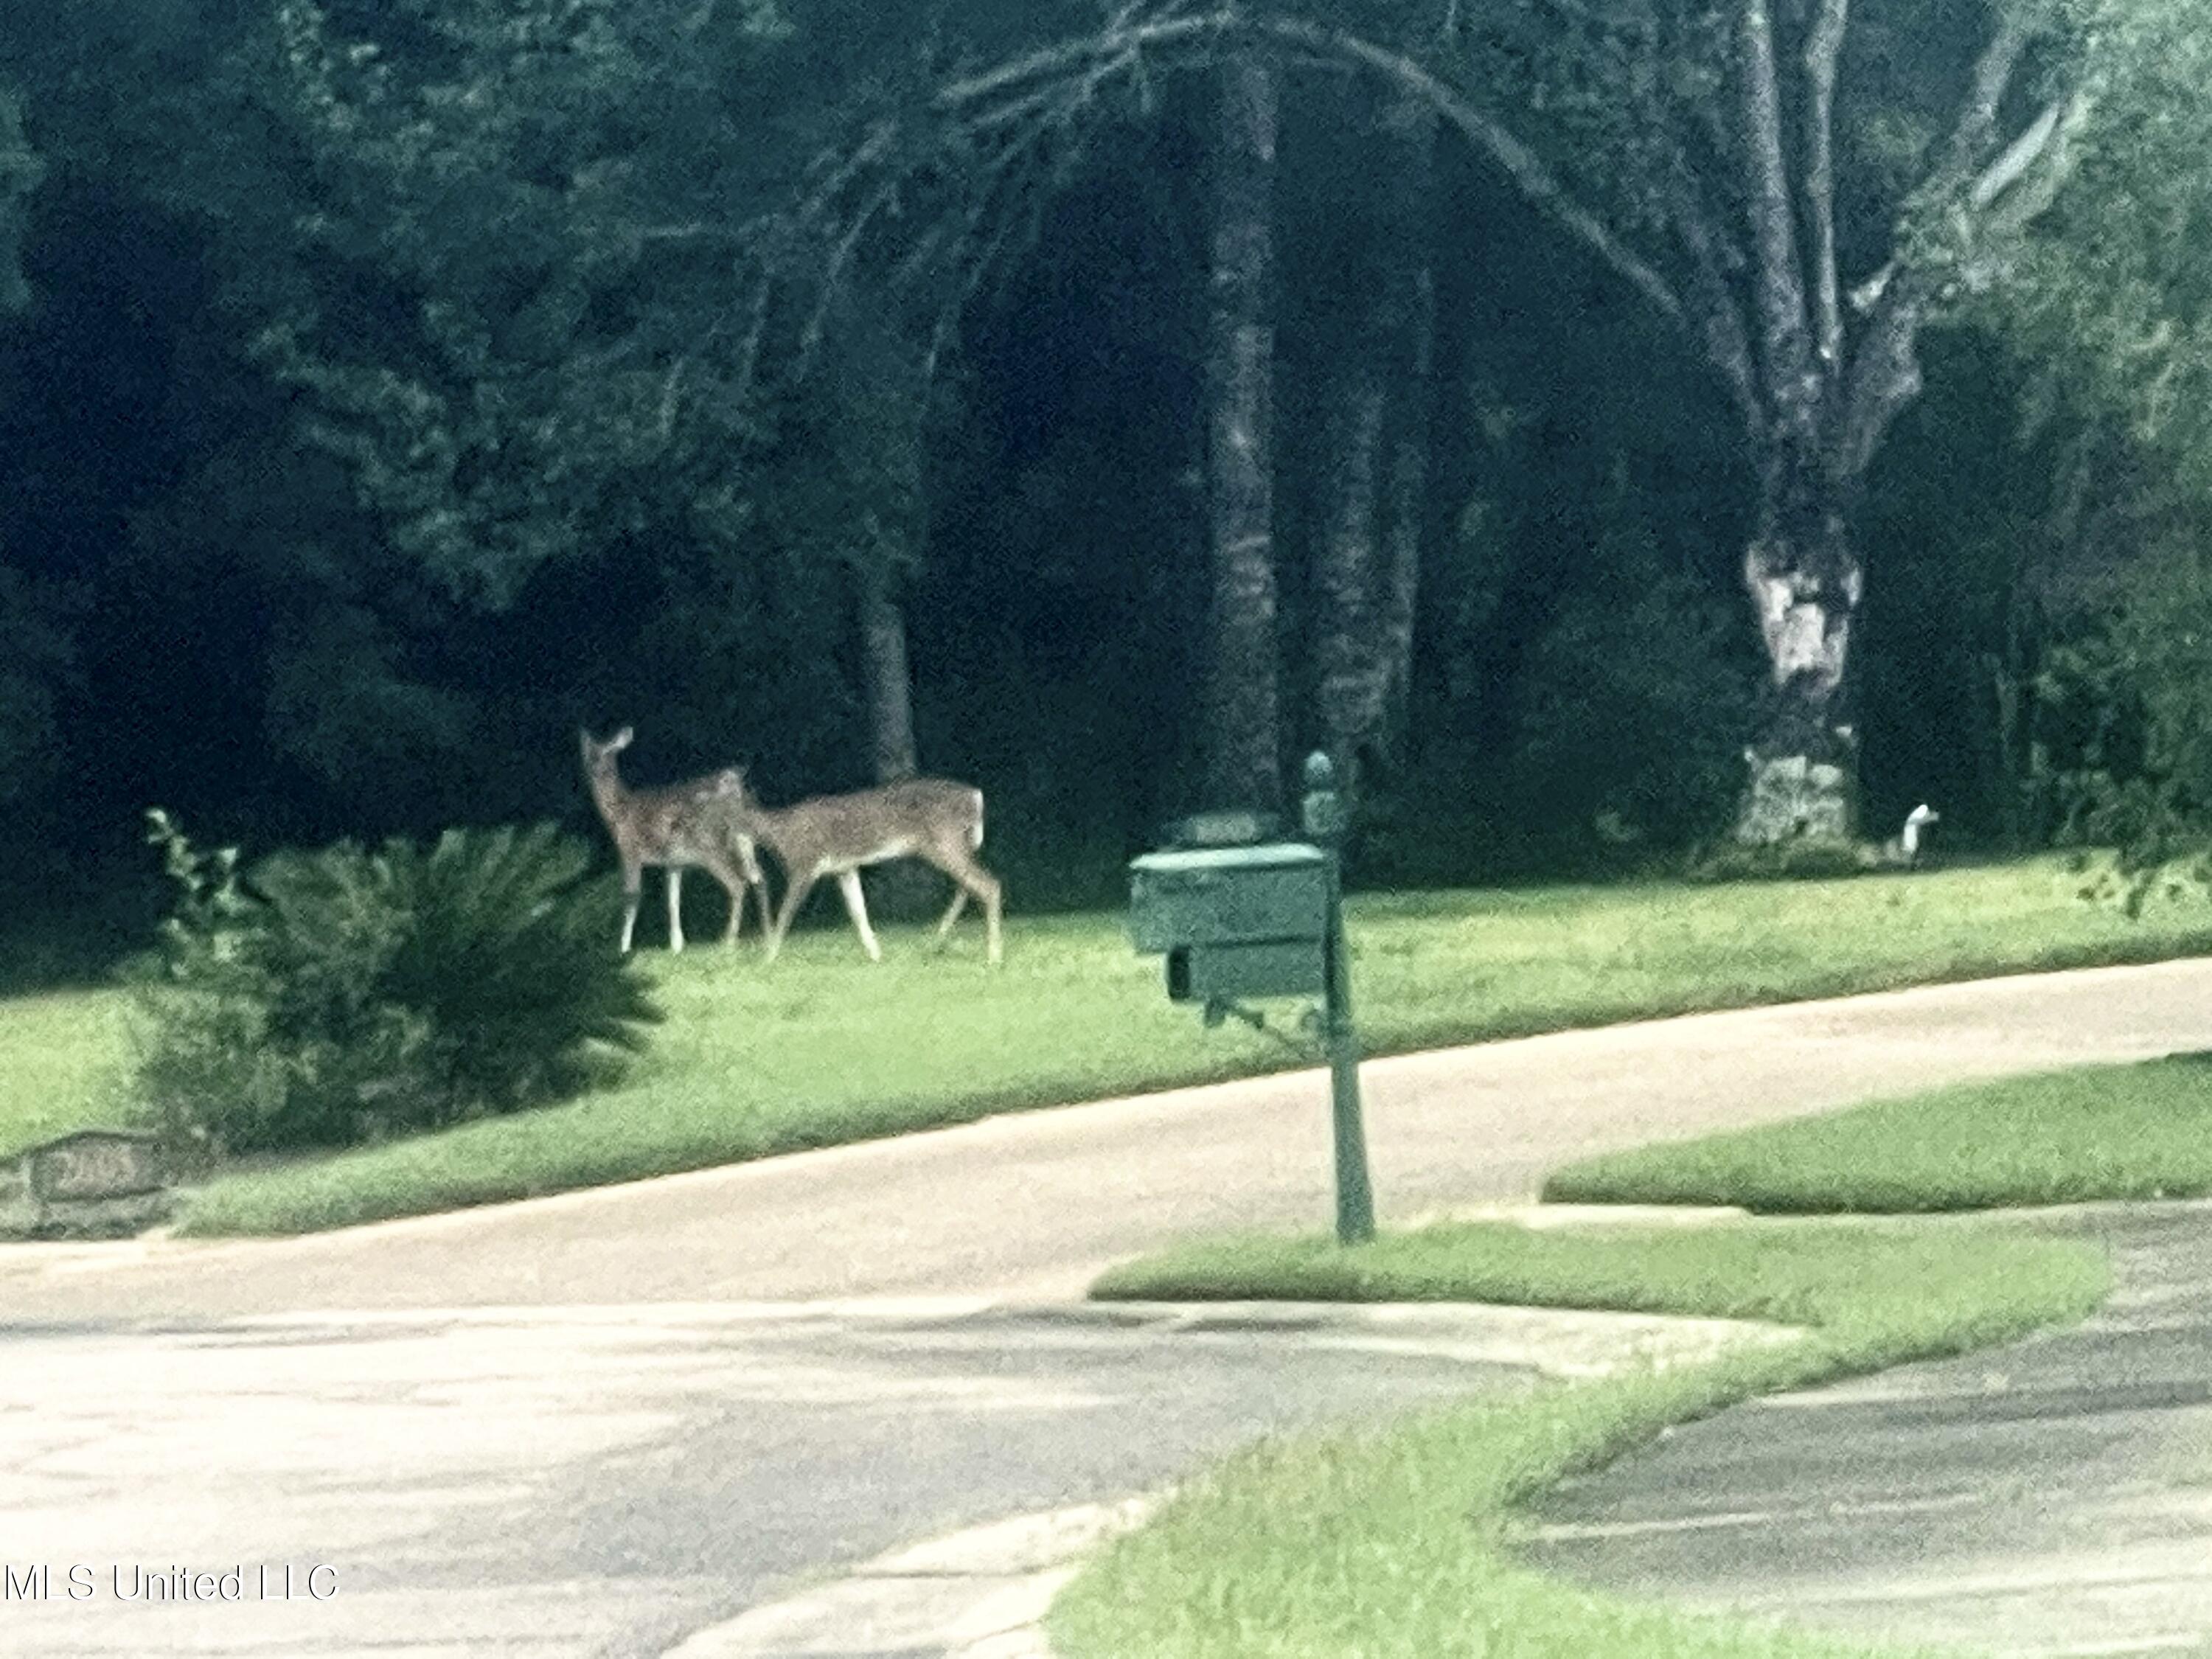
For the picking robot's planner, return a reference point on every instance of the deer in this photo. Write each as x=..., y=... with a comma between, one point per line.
x=933, y=819
x=683, y=826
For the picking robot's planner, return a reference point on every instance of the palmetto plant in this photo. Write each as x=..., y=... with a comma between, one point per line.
x=347, y=994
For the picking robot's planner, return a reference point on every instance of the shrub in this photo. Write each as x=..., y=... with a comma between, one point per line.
x=327, y=998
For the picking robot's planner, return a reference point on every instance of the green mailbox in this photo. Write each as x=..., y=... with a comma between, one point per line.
x=1235, y=921
x=1238, y=915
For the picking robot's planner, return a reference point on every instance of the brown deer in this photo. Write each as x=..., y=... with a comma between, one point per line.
x=680, y=827
x=933, y=819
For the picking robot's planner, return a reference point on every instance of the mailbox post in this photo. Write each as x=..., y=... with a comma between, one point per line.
x=1239, y=916
x=1323, y=817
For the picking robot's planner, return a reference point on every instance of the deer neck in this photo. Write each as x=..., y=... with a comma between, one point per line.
x=607, y=792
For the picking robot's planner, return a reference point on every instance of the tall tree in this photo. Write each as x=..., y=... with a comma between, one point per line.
x=1239, y=730
x=1698, y=151
x=1411, y=309
x=1375, y=453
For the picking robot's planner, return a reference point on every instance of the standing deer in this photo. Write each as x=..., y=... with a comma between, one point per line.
x=933, y=819
x=683, y=825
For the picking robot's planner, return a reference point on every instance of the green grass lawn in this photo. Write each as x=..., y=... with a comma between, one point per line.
x=63, y=1064
x=827, y=1047
x=1398, y=1543
x=2102, y=1132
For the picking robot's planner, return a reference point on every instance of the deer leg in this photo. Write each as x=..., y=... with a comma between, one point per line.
x=856, y=903
x=675, y=906
x=952, y=911
x=633, y=886
x=793, y=896
x=970, y=878
x=734, y=884
x=749, y=868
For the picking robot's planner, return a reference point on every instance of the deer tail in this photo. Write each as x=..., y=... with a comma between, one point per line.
x=976, y=825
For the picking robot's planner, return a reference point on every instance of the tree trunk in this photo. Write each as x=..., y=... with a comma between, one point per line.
x=1805, y=583
x=1412, y=308
x=904, y=889
x=1355, y=665
x=1240, y=741
x=890, y=682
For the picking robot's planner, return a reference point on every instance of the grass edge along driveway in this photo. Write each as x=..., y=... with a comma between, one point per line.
x=826, y=1048
x=2088, y=1132
x=1397, y=1543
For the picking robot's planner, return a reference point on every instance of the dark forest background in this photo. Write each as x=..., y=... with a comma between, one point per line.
x=217, y=595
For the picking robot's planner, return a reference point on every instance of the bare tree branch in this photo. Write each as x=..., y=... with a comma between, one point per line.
x=1536, y=182
x=1884, y=376
x=1720, y=320
x=841, y=260
x=1778, y=279
x=2043, y=137
x=1977, y=125
x=1823, y=48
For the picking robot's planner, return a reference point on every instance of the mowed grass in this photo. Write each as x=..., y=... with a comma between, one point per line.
x=2102, y=1132
x=1397, y=1543
x=826, y=1048
x=64, y=1064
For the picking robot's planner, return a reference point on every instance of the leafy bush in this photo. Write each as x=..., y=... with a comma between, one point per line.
x=2142, y=779
x=331, y=997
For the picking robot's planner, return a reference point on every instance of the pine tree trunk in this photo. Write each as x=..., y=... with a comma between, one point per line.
x=1240, y=741
x=903, y=890
x=890, y=682
x=1413, y=306
x=1354, y=666
x=1805, y=583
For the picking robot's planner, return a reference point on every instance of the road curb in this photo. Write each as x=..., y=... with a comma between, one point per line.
x=980, y=1593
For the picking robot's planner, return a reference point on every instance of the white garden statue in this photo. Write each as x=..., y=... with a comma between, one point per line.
x=1904, y=849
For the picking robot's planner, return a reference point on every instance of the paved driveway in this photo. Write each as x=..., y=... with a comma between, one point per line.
x=578, y=1481
x=2050, y=1498
x=1032, y=1205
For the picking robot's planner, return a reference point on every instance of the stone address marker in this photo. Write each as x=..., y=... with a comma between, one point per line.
x=90, y=1183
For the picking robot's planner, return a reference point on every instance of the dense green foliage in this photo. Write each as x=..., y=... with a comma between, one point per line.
x=324, y=999
x=2071, y=1137
x=394, y=387
x=1399, y=1542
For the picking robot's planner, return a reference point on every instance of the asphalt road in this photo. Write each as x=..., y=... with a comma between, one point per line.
x=573, y=1428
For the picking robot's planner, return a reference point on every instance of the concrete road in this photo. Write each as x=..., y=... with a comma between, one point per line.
x=1032, y=1205
x=576, y=1483
x=570, y=1427
x=2053, y=1497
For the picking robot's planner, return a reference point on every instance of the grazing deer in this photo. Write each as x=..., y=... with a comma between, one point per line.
x=939, y=822
x=683, y=825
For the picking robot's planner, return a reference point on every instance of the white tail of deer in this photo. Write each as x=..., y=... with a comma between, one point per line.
x=684, y=826
x=933, y=819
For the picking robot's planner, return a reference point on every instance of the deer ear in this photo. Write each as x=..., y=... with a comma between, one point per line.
x=621, y=740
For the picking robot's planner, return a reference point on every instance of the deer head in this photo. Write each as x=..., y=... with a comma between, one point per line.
x=599, y=756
